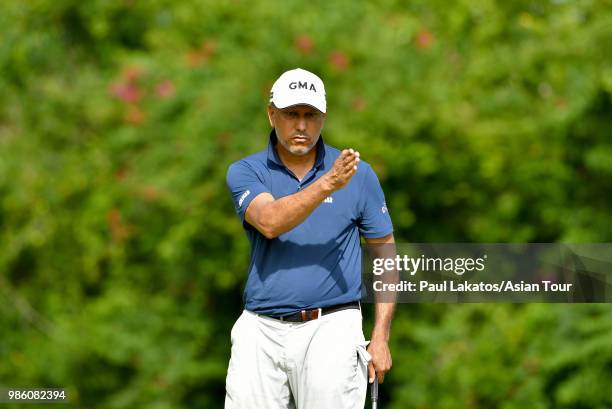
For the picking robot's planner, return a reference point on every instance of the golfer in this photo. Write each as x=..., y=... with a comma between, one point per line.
x=299, y=342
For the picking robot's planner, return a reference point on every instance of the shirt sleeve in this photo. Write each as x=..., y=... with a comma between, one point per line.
x=374, y=219
x=244, y=185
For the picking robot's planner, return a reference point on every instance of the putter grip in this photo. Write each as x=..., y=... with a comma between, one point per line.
x=374, y=390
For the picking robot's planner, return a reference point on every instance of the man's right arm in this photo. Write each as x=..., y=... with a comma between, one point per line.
x=273, y=217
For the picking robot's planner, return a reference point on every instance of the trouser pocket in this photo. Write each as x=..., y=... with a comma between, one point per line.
x=363, y=357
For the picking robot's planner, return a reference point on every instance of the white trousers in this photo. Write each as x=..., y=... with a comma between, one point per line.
x=318, y=364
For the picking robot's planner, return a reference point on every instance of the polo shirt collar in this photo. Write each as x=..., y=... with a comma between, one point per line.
x=274, y=158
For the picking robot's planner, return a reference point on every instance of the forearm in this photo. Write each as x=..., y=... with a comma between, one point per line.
x=281, y=215
x=273, y=217
x=383, y=315
x=384, y=248
x=384, y=309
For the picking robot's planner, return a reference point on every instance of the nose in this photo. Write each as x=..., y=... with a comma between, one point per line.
x=301, y=124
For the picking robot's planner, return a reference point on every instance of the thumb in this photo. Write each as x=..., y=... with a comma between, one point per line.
x=371, y=373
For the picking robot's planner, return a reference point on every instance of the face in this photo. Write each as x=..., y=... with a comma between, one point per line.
x=298, y=128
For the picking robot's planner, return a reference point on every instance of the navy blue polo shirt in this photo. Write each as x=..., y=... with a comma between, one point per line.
x=317, y=263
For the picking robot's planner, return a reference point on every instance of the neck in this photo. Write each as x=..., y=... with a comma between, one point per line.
x=298, y=164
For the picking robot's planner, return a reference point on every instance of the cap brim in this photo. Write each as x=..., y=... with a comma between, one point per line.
x=290, y=102
x=298, y=104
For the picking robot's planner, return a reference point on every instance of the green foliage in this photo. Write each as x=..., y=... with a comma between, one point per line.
x=506, y=356
x=122, y=263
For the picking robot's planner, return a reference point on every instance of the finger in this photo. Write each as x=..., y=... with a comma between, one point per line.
x=350, y=169
x=348, y=166
x=350, y=152
x=352, y=160
x=343, y=155
x=343, y=159
x=381, y=376
x=371, y=372
x=348, y=157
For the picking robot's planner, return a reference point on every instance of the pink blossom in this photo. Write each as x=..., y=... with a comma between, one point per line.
x=165, y=88
x=127, y=92
x=304, y=43
x=424, y=38
x=339, y=60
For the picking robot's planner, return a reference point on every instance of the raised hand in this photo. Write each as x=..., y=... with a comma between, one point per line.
x=343, y=170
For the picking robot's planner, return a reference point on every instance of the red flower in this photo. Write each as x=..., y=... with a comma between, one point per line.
x=339, y=60
x=165, y=89
x=127, y=92
x=424, y=38
x=304, y=43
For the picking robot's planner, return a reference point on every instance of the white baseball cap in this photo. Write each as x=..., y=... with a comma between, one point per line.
x=297, y=87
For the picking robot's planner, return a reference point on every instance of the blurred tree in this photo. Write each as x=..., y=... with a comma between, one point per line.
x=122, y=263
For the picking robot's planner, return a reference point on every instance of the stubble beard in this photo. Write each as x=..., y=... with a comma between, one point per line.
x=297, y=150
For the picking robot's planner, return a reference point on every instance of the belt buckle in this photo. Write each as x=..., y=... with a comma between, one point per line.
x=309, y=315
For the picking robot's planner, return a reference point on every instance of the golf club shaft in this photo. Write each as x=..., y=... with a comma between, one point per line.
x=374, y=392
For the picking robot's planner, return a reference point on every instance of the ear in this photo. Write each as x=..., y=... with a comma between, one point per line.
x=271, y=115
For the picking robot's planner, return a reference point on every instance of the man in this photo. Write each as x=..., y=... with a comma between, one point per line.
x=299, y=342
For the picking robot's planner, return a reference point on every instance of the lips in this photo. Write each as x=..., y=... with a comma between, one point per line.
x=299, y=139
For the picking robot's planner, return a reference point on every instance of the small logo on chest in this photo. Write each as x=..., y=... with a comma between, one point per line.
x=328, y=199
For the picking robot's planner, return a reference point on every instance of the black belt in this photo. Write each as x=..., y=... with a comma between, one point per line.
x=307, y=315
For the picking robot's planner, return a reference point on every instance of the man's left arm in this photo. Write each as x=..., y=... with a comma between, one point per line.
x=381, y=362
